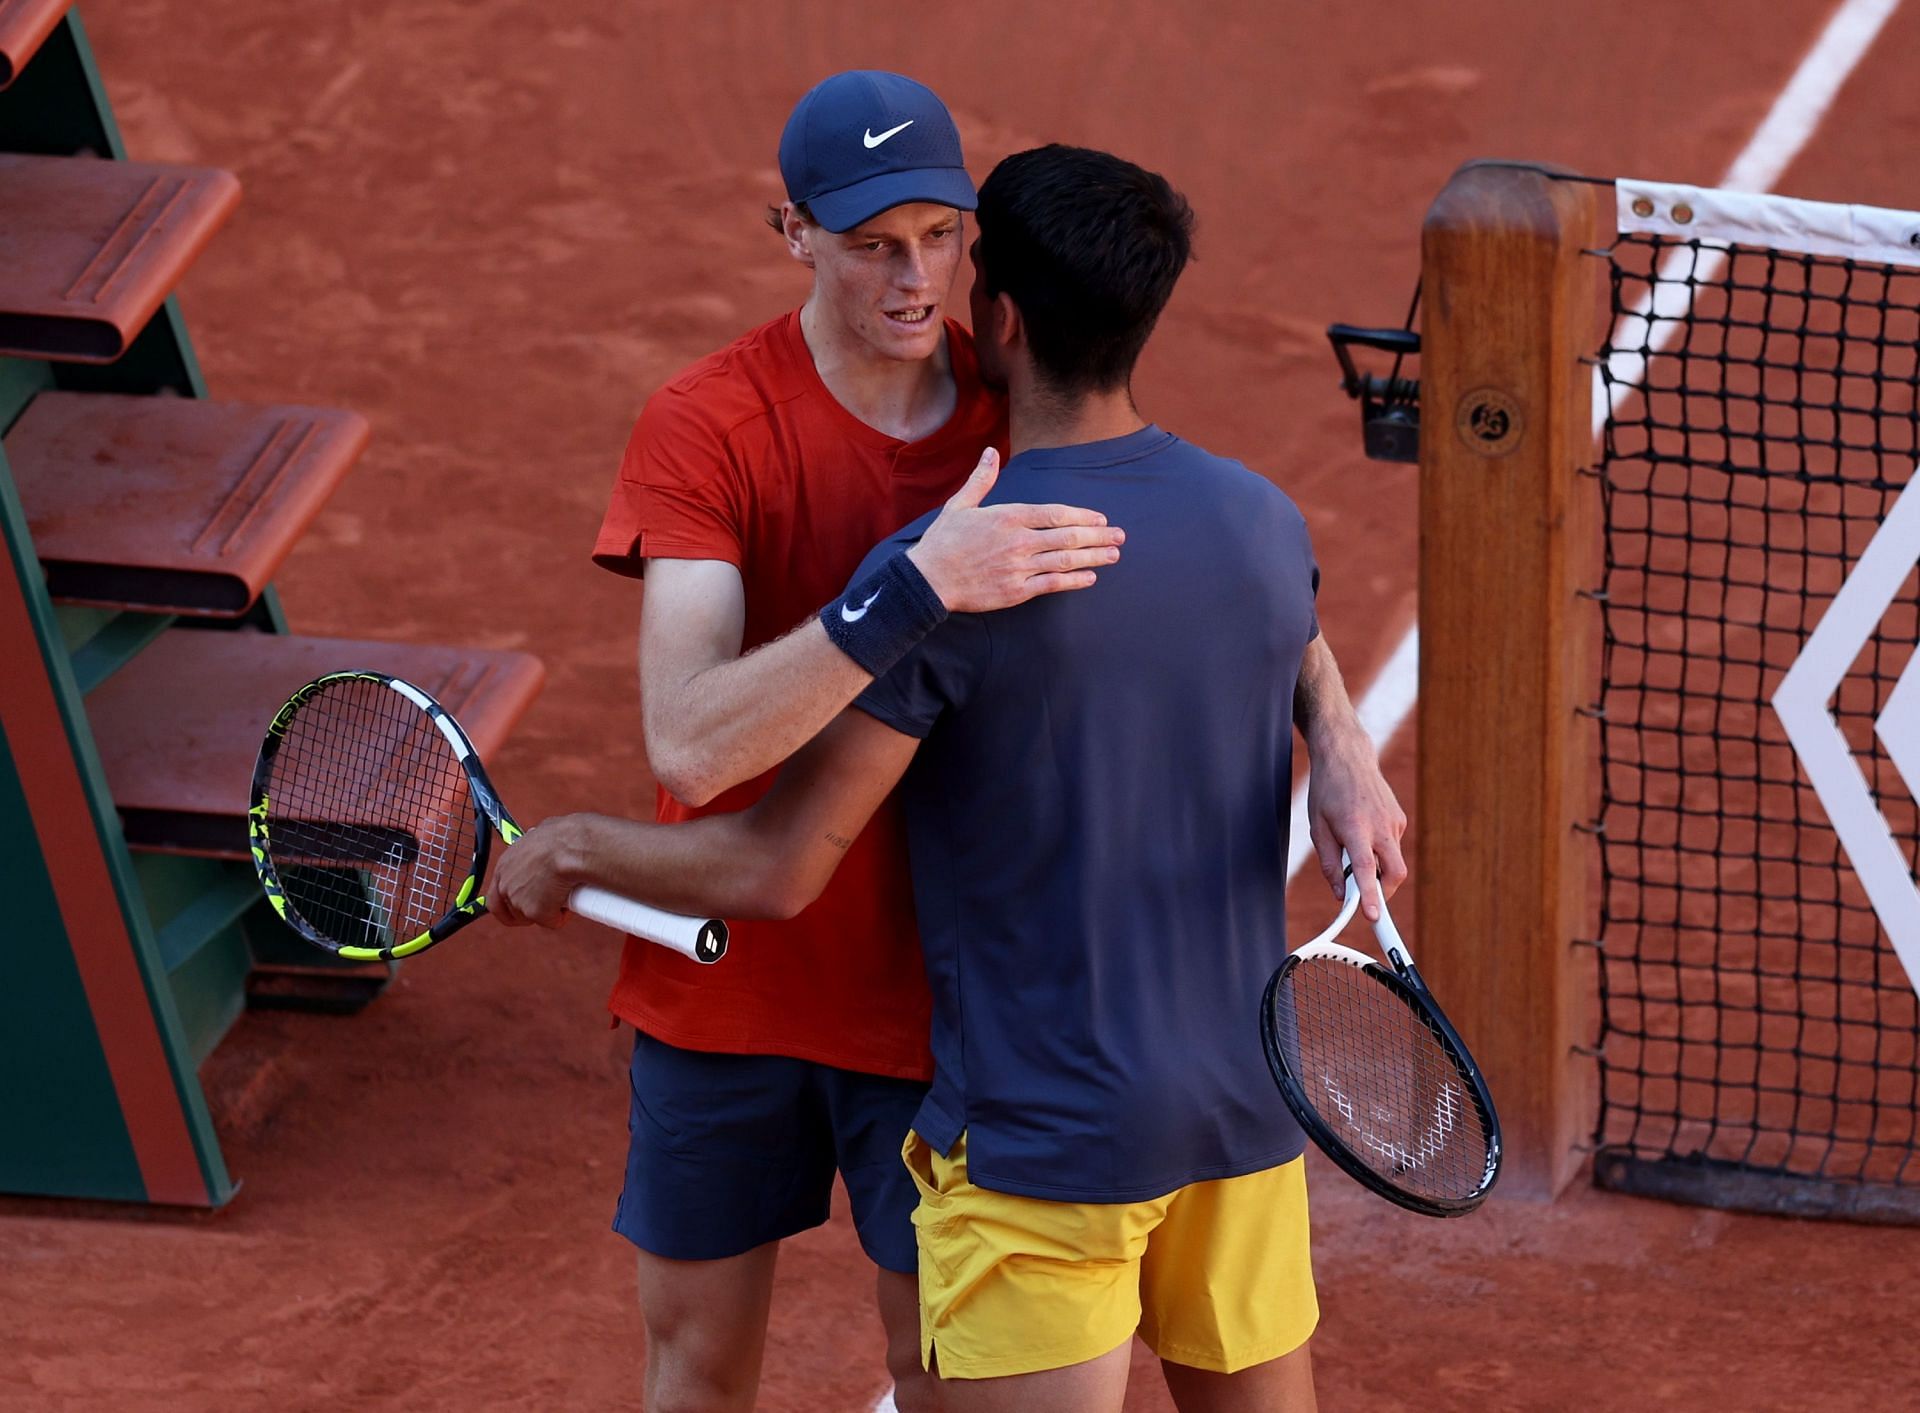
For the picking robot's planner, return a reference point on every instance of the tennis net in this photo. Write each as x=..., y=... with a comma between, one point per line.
x=1759, y=712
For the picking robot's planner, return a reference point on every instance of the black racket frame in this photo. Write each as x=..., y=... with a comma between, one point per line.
x=1405, y=984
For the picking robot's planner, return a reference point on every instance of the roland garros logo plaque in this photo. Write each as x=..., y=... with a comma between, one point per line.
x=1489, y=421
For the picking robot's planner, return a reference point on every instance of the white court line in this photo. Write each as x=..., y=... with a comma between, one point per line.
x=1792, y=120
x=1775, y=143
x=1803, y=103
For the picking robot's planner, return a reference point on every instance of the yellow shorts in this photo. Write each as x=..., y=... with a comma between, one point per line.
x=1215, y=1275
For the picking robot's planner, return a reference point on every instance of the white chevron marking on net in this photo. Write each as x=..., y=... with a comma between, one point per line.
x=1825, y=754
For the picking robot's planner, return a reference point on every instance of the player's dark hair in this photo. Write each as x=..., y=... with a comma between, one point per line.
x=800, y=209
x=1089, y=246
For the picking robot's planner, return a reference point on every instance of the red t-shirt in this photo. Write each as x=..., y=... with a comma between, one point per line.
x=747, y=457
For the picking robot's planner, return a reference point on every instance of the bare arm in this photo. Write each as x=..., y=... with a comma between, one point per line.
x=714, y=718
x=769, y=861
x=1350, y=806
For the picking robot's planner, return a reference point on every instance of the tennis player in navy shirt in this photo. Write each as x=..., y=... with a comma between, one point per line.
x=1097, y=821
x=1097, y=790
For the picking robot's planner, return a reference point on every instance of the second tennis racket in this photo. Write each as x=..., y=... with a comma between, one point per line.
x=1375, y=1073
x=372, y=819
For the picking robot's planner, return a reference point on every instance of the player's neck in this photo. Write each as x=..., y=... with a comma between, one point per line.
x=907, y=400
x=1038, y=417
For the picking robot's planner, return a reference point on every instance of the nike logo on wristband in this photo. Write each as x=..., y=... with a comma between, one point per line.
x=854, y=615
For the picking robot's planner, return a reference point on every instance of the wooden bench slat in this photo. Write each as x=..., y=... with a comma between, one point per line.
x=90, y=249
x=173, y=505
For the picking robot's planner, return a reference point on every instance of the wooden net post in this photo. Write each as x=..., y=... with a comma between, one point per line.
x=1508, y=539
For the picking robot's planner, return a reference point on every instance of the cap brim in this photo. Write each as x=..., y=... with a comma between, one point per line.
x=846, y=208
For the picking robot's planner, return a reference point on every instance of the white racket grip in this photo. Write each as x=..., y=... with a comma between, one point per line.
x=703, y=939
x=1384, y=932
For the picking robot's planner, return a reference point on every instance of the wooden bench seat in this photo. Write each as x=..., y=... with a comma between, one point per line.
x=90, y=249
x=178, y=728
x=173, y=505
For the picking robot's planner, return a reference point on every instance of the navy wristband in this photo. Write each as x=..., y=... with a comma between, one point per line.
x=879, y=620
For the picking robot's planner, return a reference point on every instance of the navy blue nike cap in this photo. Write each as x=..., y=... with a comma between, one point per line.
x=865, y=141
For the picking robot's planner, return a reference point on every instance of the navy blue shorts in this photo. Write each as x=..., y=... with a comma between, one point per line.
x=728, y=1152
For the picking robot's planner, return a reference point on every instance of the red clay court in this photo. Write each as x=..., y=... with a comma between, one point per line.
x=492, y=229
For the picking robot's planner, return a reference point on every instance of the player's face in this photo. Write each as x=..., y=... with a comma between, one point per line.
x=888, y=280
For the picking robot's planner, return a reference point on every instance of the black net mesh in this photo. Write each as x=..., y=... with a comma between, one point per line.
x=370, y=816
x=1380, y=1079
x=1763, y=422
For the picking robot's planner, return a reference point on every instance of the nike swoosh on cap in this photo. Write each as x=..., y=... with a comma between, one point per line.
x=873, y=141
x=854, y=615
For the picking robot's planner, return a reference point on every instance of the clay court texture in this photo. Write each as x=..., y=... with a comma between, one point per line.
x=493, y=227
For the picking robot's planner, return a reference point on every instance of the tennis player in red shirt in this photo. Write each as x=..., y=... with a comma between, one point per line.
x=754, y=484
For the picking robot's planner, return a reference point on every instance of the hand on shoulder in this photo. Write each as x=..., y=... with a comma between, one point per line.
x=981, y=558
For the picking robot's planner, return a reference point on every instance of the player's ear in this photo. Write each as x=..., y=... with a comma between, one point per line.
x=799, y=231
x=1009, y=329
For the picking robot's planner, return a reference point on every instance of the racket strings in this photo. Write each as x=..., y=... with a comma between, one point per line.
x=1381, y=1079
x=370, y=816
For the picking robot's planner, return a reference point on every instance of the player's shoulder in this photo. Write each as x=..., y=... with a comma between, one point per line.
x=746, y=380
x=1236, y=487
